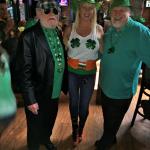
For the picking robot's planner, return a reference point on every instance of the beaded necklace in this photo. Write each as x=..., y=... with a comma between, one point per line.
x=114, y=40
x=112, y=48
x=116, y=36
x=56, y=48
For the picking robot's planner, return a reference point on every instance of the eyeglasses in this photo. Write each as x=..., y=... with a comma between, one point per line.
x=51, y=10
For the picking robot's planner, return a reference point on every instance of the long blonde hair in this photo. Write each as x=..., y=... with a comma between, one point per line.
x=94, y=18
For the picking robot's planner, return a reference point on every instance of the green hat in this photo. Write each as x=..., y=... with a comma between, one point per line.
x=46, y=4
x=75, y=3
x=88, y=1
x=117, y=3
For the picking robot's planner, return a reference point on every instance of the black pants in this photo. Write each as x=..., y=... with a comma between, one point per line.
x=39, y=127
x=113, y=112
x=4, y=122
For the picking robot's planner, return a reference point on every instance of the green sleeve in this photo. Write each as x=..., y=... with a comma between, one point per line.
x=143, y=51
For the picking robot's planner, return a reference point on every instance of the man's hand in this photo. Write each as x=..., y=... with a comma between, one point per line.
x=34, y=108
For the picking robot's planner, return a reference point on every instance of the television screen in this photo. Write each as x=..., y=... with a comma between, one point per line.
x=63, y=3
x=147, y=4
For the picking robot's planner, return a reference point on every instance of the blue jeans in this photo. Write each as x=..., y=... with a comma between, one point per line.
x=81, y=88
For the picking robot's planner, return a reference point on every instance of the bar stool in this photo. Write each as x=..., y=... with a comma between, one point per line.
x=145, y=87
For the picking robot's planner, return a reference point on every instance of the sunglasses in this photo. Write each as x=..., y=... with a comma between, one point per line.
x=51, y=10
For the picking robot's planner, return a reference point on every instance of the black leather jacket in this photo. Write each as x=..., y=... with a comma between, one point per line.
x=36, y=66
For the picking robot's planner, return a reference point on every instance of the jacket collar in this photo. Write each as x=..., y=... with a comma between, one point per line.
x=40, y=35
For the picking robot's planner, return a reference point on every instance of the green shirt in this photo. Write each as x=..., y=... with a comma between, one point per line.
x=7, y=98
x=58, y=56
x=121, y=60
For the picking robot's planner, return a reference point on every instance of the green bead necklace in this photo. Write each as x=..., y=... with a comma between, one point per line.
x=56, y=48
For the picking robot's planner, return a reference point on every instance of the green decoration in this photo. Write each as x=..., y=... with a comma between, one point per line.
x=31, y=22
x=140, y=19
x=75, y=42
x=56, y=48
x=90, y=44
x=111, y=50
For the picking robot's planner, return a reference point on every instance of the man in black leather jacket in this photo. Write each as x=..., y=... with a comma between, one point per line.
x=42, y=68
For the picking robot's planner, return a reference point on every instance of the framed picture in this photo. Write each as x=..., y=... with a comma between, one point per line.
x=147, y=4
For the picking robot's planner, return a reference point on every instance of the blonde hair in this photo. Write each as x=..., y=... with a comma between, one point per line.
x=93, y=22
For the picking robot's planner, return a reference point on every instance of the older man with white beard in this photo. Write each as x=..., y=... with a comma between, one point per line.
x=41, y=57
x=126, y=45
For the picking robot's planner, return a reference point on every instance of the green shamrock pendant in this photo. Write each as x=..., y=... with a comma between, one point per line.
x=111, y=50
x=75, y=42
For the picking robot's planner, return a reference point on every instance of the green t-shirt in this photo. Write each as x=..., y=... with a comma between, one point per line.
x=7, y=98
x=121, y=60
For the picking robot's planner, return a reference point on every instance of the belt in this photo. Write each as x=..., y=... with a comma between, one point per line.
x=87, y=65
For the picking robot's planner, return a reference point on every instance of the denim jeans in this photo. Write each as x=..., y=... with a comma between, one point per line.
x=81, y=88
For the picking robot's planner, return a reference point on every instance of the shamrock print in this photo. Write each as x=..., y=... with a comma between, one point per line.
x=90, y=44
x=75, y=42
x=111, y=50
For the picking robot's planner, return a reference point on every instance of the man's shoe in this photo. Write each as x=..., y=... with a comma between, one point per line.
x=50, y=146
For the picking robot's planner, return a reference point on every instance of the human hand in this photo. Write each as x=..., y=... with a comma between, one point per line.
x=34, y=108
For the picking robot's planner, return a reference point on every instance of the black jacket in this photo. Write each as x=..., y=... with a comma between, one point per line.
x=36, y=66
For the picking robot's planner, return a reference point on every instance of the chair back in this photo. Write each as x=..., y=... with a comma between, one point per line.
x=146, y=76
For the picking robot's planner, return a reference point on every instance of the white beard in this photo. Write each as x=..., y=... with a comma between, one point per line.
x=117, y=24
x=50, y=23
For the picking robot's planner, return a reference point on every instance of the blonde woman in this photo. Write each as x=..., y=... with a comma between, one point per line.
x=83, y=39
